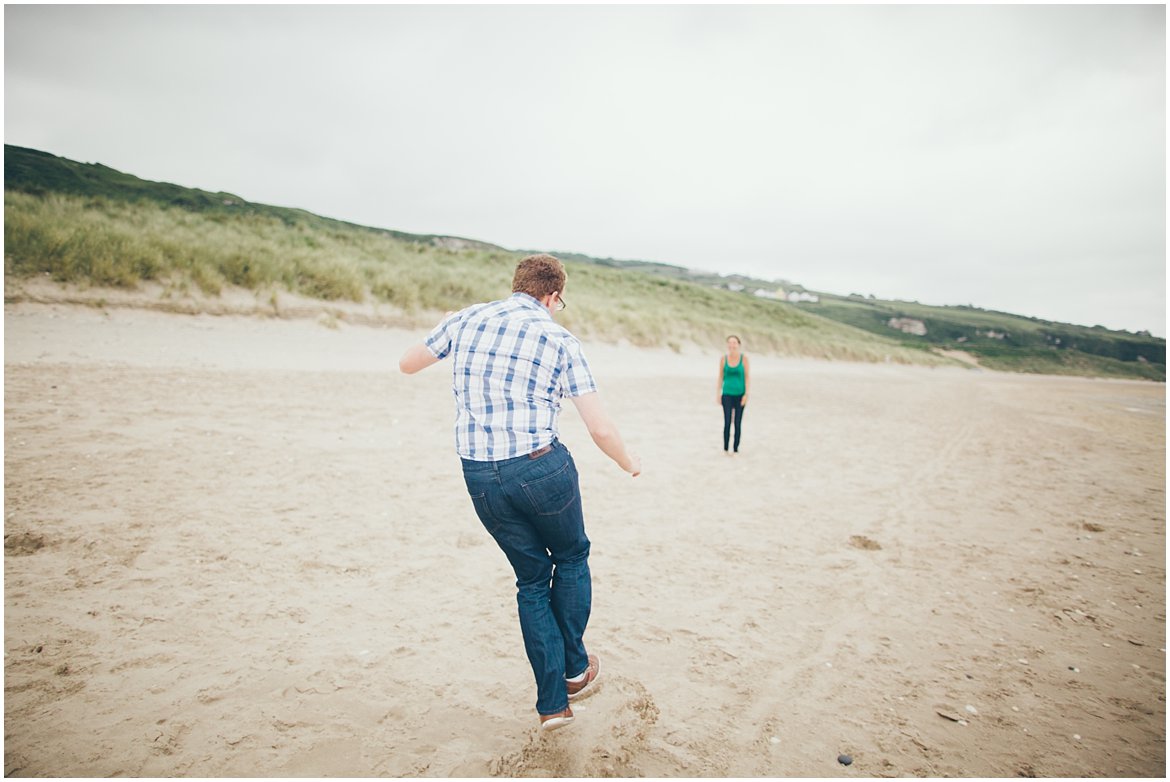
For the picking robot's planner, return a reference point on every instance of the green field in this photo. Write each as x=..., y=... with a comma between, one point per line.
x=89, y=225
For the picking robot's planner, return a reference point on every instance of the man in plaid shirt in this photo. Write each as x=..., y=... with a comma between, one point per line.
x=511, y=365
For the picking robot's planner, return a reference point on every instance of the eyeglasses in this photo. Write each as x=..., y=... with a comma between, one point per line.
x=560, y=302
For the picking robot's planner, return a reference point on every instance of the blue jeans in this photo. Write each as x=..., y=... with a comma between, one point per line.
x=532, y=508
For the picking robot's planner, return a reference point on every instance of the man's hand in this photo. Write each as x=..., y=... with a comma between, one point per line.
x=635, y=468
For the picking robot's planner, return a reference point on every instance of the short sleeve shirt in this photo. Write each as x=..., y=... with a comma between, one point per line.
x=512, y=364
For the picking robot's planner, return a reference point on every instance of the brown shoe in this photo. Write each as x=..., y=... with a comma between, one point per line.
x=559, y=720
x=577, y=689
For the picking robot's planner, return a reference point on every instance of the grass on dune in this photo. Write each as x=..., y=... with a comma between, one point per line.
x=104, y=242
x=118, y=244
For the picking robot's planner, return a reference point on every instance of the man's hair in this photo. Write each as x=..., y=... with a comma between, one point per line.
x=538, y=276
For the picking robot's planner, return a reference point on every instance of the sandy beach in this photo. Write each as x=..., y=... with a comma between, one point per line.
x=242, y=547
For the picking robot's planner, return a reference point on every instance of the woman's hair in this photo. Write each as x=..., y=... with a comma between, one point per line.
x=735, y=337
x=538, y=276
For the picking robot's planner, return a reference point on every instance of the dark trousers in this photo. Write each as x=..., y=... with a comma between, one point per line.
x=732, y=406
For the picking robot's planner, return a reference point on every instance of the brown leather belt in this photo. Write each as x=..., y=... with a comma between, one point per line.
x=539, y=452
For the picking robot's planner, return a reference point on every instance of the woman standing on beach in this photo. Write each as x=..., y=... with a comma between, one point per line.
x=734, y=385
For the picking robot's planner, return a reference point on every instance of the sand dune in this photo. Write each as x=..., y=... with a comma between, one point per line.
x=242, y=547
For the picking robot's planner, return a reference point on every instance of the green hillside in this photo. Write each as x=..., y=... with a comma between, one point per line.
x=88, y=224
x=40, y=173
x=1004, y=341
x=997, y=340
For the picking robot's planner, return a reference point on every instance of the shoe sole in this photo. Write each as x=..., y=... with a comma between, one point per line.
x=556, y=722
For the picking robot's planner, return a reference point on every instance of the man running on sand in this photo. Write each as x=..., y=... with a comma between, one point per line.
x=512, y=364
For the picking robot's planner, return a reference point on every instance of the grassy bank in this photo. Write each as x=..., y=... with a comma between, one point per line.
x=111, y=243
x=89, y=225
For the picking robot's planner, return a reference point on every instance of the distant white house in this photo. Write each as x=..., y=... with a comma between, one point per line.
x=908, y=326
x=777, y=295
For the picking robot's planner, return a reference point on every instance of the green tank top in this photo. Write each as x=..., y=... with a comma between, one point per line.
x=733, y=378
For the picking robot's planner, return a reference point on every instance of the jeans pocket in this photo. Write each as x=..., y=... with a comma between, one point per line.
x=484, y=510
x=552, y=494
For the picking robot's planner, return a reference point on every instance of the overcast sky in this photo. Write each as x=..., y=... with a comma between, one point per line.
x=1011, y=157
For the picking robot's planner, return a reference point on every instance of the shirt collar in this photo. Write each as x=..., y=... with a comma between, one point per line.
x=531, y=302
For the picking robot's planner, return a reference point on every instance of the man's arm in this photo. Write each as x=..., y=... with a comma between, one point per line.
x=604, y=432
x=416, y=358
x=419, y=357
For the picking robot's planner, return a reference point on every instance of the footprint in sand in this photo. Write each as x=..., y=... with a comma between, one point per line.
x=862, y=542
x=21, y=544
x=610, y=728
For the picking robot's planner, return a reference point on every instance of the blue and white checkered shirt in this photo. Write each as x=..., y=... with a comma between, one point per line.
x=513, y=363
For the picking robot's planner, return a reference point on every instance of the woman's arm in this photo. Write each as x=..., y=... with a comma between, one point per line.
x=747, y=380
x=719, y=384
